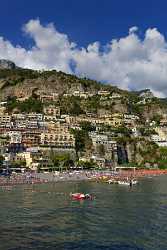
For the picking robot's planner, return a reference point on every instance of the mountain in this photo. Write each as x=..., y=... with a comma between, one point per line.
x=18, y=82
x=23, y=83
x=6, y=64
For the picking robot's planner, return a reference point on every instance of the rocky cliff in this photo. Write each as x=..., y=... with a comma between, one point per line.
x=22, y=83
x=6, y=64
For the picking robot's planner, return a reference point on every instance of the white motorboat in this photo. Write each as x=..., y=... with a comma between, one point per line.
x=128, y=182
x=111, y=181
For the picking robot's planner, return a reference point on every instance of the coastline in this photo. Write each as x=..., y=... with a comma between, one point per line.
x=97, y=176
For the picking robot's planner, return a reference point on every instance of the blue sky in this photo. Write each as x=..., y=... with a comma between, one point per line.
x=84, y=21
x=120, y=42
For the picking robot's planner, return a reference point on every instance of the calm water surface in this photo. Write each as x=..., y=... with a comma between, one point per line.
x=43, y=217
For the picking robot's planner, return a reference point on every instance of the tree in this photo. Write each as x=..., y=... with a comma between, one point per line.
x=82, y=140
x=1, y=159
x=101, y=150
x=71, y=105
x=19, y=163
x=157, y=118
x=29, y=105
x=61, y=161
x=87, y=126
x=86, y=164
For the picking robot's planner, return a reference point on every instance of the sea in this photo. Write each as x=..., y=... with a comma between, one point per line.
x=43, y=216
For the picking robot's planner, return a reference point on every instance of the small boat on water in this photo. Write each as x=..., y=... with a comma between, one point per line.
x=128, y=182
x=134, y=182
x=81, y=196
x=111, y=181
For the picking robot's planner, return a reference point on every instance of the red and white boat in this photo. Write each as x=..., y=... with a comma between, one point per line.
x=81, y=196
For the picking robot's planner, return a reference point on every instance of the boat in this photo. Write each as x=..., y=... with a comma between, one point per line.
x=112, y=181
x=81, y=196
x=134, y=182
x=128, y=182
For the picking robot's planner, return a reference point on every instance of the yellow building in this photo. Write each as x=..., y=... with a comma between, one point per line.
x=2, y=110
x=5, y=118
x=58, y=136
x=115, y=120
x=25, y=156
x=162, y=132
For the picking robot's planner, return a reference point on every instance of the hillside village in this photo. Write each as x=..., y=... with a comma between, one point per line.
x=53, y=121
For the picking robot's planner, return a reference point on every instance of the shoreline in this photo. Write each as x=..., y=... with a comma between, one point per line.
x=93, y=176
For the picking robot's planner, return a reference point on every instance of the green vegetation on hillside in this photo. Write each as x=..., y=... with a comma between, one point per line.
x=71, y=105
x=19, y=73
x=1, y=159
x=82, y=140
x=29, y=105
x=162, y=159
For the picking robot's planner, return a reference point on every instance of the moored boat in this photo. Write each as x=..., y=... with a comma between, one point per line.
x=128, y=182
x=134, y=182
x=112, y=181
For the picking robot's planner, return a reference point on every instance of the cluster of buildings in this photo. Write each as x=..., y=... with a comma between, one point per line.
x=82, y=94
x=23, y=136
x=26, y=137
x=160, y=135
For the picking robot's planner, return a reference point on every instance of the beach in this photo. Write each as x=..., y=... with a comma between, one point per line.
x=69, y=176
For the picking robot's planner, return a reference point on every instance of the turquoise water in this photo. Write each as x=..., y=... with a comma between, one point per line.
x=43, y=217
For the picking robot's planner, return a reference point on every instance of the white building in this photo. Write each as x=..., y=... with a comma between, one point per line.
x=32, y=124
x=115, y=95
x=15, y=137
x=103, y=92
x=161, y=142
x=20, y=124
x=102, y=139
x=35, y=116
x=146, y=94
x=19, y=116
x=131, y=117
x=50, y=118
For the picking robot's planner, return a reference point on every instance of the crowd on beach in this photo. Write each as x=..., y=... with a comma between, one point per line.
x=17, y=179
x=130, y=174
x=29, y=178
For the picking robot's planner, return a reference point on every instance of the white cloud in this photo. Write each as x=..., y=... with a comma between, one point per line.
x=52, y=49
x=128, y=62
x=133, y=29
